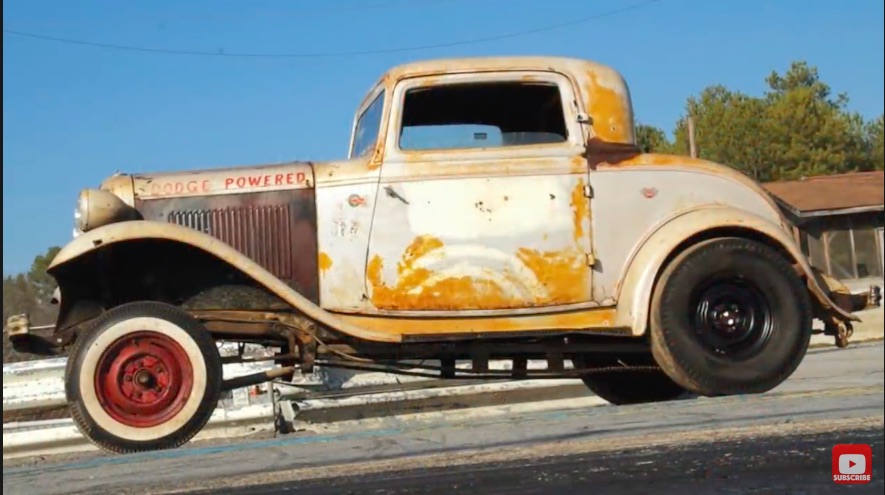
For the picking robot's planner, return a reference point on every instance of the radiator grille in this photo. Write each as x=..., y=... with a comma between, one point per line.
x=263, y=233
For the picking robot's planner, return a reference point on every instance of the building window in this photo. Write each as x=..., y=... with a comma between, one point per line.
x=866, y=254
x=846, y=248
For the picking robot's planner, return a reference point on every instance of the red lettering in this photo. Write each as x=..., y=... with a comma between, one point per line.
x=300, y=177
x=241, y=182
x=266, y=180
x=255, y=181
x=278, y=180
x=168, y=188
x=178, y=187
x=205, y=186
x=228, y=182
x=290, y=178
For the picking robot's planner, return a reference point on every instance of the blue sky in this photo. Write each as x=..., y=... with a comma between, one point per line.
x=73, y=114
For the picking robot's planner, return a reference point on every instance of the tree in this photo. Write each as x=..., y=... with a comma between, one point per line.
x=29, y=293
x=650, y=139
x=44, y=285
x=875, y=134
x=796, y=128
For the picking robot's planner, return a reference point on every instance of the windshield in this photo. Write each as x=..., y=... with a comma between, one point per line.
x=367, y=126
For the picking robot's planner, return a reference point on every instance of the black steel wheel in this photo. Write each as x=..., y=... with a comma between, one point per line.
x=730, y=316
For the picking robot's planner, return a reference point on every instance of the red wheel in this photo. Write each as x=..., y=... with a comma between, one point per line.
x=146, y=376
x=144, y=379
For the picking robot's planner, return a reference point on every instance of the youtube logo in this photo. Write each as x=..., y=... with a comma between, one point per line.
x=852, y=464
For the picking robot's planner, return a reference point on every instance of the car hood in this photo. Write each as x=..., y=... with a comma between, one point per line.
x=211, y=182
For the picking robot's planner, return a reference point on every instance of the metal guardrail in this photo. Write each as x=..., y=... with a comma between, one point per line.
x=32, y=386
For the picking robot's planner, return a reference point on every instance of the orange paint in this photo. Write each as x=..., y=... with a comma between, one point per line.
x=611, y=112
x=589, y=319
x=415, y=290
x=578, y=164
x=563, y=275
x=580, y=211
x=324, y=262
x=419, y=247
x=658, y=159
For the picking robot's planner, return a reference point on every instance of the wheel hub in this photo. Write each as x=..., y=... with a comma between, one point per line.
x=732, y=317
x=144, y=379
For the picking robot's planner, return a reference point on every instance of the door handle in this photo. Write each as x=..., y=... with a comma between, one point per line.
x=391, y=193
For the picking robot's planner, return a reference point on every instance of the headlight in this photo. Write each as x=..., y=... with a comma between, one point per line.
x=80, y=213
x=96, y=207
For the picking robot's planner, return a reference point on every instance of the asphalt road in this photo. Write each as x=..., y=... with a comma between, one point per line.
x=779, y=442
x=769, y=464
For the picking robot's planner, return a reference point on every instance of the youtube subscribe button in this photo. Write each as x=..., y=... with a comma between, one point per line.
x=852, y=464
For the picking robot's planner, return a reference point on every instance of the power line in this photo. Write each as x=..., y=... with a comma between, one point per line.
x=300, y=14
x=222, y=53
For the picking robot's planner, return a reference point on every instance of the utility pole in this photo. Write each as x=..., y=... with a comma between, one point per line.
x=692, y=146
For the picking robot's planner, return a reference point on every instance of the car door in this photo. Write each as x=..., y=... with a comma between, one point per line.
x=483, y=201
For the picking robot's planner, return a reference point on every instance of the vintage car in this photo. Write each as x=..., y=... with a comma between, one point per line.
x=489, y=208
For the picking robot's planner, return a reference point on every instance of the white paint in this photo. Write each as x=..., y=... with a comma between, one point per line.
x=480, y=240
x=468, y=209
x=623, y=216
x=342, y=236
x=120, y=330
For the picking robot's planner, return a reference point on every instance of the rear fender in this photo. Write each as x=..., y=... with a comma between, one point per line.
x=139, y=230
x=701, y=224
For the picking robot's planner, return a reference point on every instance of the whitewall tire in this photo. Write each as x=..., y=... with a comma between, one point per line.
x=146, y=376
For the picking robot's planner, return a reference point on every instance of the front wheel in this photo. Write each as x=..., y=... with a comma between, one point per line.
x=730, y=316
x=146, y=376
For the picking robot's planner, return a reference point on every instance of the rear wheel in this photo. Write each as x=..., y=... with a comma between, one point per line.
x=730, y=316
x=629, y=387
x=146, y=376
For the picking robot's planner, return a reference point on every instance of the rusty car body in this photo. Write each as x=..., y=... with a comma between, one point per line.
x=489, y=208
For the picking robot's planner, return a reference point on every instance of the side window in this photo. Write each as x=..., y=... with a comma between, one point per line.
x=482, y=115
x=367, y=126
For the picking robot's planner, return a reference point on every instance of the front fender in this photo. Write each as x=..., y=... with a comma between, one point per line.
x=648, y=261
x=137, y=230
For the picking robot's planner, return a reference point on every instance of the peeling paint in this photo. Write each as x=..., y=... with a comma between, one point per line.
x=588, y=319
x=325, y=262
x=580, y=210
x=608, y=104
x=557, y=278
x=563, y=274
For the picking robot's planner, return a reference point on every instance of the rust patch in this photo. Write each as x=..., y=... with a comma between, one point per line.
x=580, y=211
x=577, y=164
x=562, y=273
x=609, y=111
x=597, y=318
x=413, y=290
x=325, y=262
x=419, y=247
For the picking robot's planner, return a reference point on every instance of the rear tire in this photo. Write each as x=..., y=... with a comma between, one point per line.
x=629, y=387
x=730, y=316
x=146, y=376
